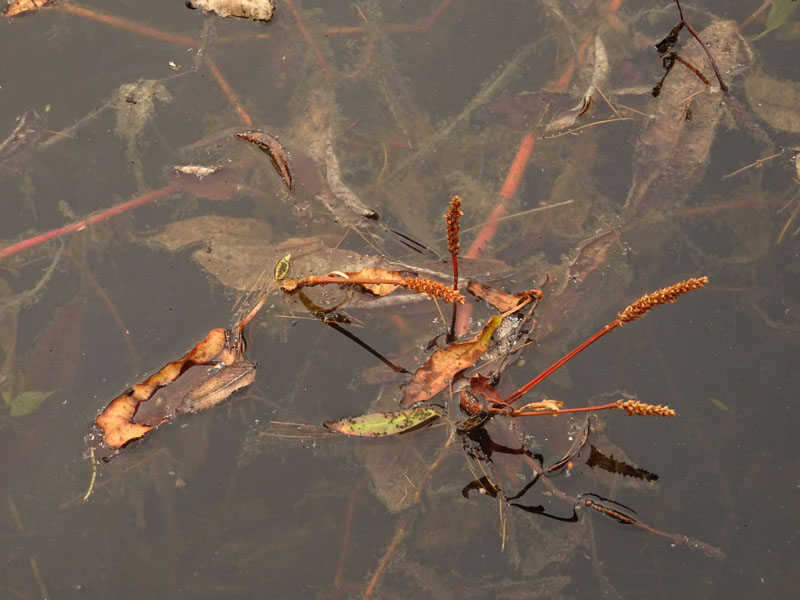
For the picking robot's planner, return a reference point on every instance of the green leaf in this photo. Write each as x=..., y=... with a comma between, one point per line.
x=282, y=268
x=384, y=423
x=780, y=11
x=27, y=402
x=790, y=31
x=774, y=100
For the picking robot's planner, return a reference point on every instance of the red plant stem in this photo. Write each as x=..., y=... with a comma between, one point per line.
x=227, y=90
x=84, y=223
x=513, y=179
x=322, y=280
x=128, y=25
x=538, y=413
x=164, y=36
x=399, y=534
x=451, y=336
x=323, y=65
x=563, y=81
x=560, y=363
x=347, y=535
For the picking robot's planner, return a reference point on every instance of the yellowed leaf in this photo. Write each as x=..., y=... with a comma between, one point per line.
x=17, y=7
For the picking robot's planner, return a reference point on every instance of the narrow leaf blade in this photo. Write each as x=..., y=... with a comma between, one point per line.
x=384, y=423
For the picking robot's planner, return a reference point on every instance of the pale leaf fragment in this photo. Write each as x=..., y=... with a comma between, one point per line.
x=258, y=10
x=545, y=404
x=18, y=7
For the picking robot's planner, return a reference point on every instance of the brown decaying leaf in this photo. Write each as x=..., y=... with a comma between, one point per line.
x=17, y=7
x=377, y=289
x=258, y=10
x=480, y=385
x=545, y=404
x=501, y=300
x=273, y=148
x=445, y=363
x=208, y=374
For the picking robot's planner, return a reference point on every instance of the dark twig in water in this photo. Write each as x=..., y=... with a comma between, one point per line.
x=672, y=38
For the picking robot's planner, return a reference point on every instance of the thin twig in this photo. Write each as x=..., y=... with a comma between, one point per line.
x=694, y=33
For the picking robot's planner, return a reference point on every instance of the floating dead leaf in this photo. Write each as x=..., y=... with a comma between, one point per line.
x=384, y=423
x=480, y=385
x=545, y=404
x=377, y=289
x=273, y=148
x=501, y=300
x=774, y=100
x=208, y=374
x=257, y=10
x=18, y=7
x=444, y=364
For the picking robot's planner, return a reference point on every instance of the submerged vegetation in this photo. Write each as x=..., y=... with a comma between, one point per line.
x=579, y=162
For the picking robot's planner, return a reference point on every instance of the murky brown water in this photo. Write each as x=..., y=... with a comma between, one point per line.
x=422, y=101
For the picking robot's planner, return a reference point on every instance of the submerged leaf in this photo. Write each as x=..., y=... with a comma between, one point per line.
x=444, y=364
x=384, y=423
x=663, y=177
x=235, y=250
x=208, y=374
x=27, y=402
x=774, y=100
x=779, y=13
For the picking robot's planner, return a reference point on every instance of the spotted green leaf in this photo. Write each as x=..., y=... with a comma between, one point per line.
x=384, y=423
x=282, y=268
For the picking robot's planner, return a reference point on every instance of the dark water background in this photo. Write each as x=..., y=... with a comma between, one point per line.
x=208, y=506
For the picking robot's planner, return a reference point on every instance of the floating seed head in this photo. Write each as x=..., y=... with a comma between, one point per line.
x=634, y=407
x=432, y=288
x=665, y=295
